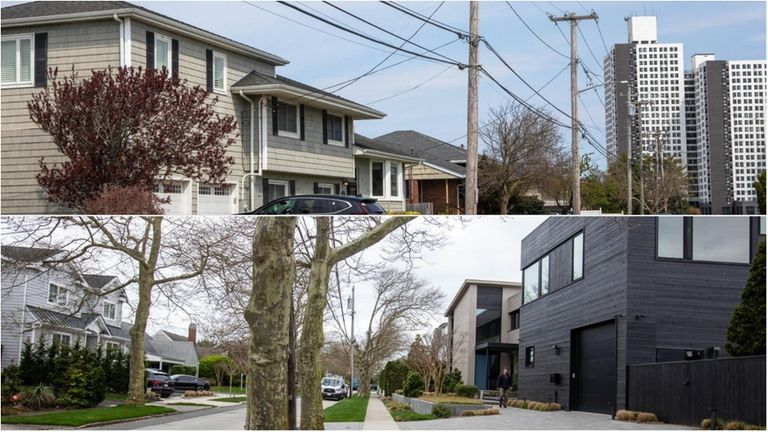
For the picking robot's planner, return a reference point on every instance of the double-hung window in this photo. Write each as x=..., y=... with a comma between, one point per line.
x=17, y=67
x=334, y=126
x=287, y=119
x=61, y=339
x=109, y=310
x=57, y=294
x=163, y=52
x=219, y=72
x=386, y=179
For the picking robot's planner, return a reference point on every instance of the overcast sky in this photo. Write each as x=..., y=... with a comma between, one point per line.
x=730, y=29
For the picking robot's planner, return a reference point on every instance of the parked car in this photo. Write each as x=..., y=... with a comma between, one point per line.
x=321, y=204
x=159, y=382
x=333, y=387
x=189, y=382
x=374, y=387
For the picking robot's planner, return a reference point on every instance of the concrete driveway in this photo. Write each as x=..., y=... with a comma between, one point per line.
x=516, y=419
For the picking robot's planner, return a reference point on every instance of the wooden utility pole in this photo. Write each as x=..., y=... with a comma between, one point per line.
x=630, y=107
x=574, y=19
x=470, y=202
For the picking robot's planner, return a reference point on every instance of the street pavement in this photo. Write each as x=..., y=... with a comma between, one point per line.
x=517, y=419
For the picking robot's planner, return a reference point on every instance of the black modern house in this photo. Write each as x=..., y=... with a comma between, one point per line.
x=602, y=293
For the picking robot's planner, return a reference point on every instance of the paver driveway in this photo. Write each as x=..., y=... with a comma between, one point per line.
x=515, y=419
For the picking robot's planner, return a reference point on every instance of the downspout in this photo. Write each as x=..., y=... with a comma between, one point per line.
x=23, y=317
x=122, y=39
x=263, y=142
x=251, y=146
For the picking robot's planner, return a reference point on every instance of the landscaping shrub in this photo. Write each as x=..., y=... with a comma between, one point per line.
x=644, y=417
x=11, y=383
x=413, y=385
x=729, y=425
x=194, y=393
x=183, y=370
x=85, y=387
x=37, y=398
x=441, y=411
x=126, y=200
x=466, y=390
x=480, y=412
x=533, y=405
x=392, y=376
x=624, y=415
x=450, y=380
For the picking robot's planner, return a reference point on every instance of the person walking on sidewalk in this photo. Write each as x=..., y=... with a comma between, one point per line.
x=502, y=383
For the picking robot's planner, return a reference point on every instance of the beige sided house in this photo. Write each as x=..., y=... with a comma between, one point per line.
x=484, y=322
x=294, y=138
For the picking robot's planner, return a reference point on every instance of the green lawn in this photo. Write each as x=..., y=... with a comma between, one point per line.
x=225, y=389
x=236, y=399
x=80, y=417
x=347, y=410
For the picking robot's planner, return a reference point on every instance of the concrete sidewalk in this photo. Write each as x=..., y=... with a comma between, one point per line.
x=377, y=416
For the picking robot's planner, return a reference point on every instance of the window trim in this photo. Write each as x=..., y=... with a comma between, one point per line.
x=387, y=180
x=330, y=186
x=58, y=294
x=69, y=335
x=289, y=134
x=17, y=83
x=169, y=41
x=106, y=303
x=222, y=90
x=334, y=142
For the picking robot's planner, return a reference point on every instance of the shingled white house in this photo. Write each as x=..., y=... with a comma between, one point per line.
x=294, y=138
x=46, y=301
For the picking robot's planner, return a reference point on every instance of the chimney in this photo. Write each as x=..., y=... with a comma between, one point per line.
x=192, y=334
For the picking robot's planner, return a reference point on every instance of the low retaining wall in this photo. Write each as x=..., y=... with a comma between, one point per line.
x=425, y=407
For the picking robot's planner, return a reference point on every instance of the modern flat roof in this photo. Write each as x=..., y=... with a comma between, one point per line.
x=480, y=282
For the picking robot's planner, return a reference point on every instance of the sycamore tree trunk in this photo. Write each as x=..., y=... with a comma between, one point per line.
x=268, y=315
x=504, y=198
x=146, y=282
x=312, y=336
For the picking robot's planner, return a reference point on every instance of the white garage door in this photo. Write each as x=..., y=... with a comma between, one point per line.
x=178, y=192
x=216, y=200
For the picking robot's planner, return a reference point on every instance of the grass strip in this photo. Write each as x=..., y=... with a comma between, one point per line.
x=347, y=410
x=225, y=389
x=405, y=416
x=236, y=399
x=80, y=417
x=452, y=400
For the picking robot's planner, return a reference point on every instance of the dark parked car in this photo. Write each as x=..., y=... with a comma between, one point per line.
x=321, y=204
x=188, y=382
x=374, y=387
x=159, y=382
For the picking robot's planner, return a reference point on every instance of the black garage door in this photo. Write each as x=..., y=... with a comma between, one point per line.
x=595, y=368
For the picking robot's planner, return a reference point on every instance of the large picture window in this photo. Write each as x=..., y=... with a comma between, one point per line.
x=386, y=178
x=721, y=239
x=670, y=237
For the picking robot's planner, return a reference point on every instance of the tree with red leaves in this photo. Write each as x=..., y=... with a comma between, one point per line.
x=129, y=129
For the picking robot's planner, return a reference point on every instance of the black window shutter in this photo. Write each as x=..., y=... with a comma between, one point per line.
x=345, y=125
x=41, y=59
x=175, y=58
x=325, y=127
x=292, y=186
x=316, y=187
x=209, y=70
x=265, y=190
x=336, y=188
x=150, y=50
x=274, y=115
x=301, y=121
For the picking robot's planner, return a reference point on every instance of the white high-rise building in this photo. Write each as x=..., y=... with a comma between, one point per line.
x=730, y=132
x=649, y=75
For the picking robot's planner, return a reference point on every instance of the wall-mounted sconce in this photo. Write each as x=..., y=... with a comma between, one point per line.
x=556, y=350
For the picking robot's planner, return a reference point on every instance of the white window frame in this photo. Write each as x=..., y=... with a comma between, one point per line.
x=169, y=41
x=283, y=183
x=220, y=90
x=58, y=294
x=117, y=346
x=343, y=130
x=18, y=83
x=330, y=186
x=289, y=134
x=60, y=334
x=387, y=189
x=109, y=303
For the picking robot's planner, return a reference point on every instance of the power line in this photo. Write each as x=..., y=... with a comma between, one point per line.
x=460, y=33
x=310, y=14
x=589, y=48
x=597, y=23
x=412, y=88
x=534, y=33
x=405, y=41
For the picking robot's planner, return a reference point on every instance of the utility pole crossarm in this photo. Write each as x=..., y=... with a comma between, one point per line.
x=573, y=19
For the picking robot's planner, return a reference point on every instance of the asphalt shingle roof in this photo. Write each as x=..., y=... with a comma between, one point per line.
x=372, y=144
x=176, y=337
x=432, y=150
x=119, y=332
x=51, y=8
x=28, y=254
x=256, y=78
x=174, y=350
x=98, y=281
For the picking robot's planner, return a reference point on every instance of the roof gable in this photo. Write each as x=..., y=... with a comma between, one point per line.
x=434, y=151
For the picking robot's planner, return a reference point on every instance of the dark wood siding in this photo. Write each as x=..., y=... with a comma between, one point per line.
x=489, y=297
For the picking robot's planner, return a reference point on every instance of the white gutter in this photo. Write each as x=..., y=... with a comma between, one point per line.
x=122, y=39
x=263, y=143
x=252, y=172
x=23, y=317
x=349, y=108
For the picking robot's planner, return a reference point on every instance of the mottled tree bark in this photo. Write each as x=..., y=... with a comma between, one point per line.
x=268, y=315
x=312, y=337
